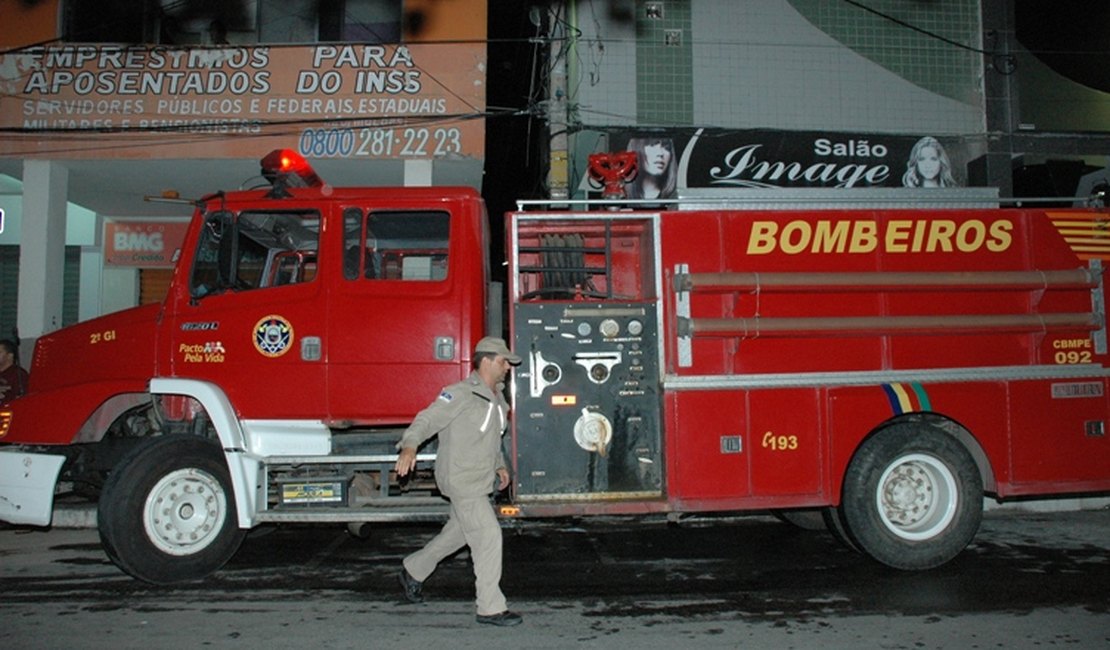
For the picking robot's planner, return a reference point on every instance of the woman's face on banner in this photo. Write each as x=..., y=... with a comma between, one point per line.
x=657, y=156
x=928, y=163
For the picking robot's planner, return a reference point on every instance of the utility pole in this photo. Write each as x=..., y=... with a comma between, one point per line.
x=558, y=172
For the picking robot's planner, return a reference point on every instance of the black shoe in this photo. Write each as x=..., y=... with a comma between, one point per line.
x=411, y=587
x=504, y=619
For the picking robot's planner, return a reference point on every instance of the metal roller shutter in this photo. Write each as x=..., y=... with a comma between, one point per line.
x=154, y=285
x=9, y=288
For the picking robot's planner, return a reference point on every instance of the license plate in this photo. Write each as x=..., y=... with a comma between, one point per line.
x=329, y=492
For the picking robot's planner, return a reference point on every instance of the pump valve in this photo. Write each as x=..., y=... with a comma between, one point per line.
x=593, y=431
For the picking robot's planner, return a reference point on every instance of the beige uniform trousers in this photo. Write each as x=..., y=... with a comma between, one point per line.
x=472, y=523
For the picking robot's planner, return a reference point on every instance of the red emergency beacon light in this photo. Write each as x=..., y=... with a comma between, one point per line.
x=612, y=171
x=285, y=168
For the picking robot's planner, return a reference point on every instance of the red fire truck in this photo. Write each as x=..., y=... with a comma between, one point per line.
x=884, y=367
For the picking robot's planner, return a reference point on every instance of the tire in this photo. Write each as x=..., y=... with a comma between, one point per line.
x=803, y=519
x=834, y=522
x=158, y=544
x=827, y=518
x=913, y=497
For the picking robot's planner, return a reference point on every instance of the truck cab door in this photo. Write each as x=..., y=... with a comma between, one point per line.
x=400, y=325
x=250, y=317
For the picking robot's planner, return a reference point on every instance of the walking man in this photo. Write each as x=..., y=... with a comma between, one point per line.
x=469, y=417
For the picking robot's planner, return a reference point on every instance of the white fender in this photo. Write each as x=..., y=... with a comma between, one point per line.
x=243, y=466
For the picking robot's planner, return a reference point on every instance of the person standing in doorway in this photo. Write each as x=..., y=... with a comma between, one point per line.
x=469, y=418
x=13, y=378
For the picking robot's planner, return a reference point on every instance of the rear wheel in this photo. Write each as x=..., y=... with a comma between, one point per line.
x=913, y=497
x=834, y=522
x=827, y=518
x=167, y=513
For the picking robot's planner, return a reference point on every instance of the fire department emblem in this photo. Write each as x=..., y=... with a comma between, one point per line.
x=273, y=336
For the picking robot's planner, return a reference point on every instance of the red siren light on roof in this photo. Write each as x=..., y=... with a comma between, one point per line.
x=290, y=169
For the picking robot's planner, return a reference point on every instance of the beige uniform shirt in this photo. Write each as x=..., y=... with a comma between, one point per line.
x=470, y=420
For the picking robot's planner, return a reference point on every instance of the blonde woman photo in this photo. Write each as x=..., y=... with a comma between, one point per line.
x=928, y=165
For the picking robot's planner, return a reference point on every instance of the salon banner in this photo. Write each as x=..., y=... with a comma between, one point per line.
x=333, y=101
x=718, y=158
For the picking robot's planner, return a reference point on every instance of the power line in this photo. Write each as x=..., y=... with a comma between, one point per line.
x=1002, y=63
x=920, y=30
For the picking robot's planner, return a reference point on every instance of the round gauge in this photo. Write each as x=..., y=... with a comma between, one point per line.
x=551, y=373
x=609, y=328
x=635, y=327
x=584, y=329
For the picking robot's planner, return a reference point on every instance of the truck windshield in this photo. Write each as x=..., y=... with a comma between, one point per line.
x=255, y=250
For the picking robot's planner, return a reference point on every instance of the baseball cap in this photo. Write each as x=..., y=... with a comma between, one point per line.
x=496, y=345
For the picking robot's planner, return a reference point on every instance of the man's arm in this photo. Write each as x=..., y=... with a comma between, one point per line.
x=427, y=423
x=406, y=461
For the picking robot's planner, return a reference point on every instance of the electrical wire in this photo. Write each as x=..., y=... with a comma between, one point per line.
x=915, y=28
x=1000, y=62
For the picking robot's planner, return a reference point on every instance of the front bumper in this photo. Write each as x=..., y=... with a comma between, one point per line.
x=27, y=482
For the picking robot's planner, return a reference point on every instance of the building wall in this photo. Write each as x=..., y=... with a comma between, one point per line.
x=37, y=21
x=949, y=68
x=779, y=68
x=749, y=76
x=783, y=64
x=445, y=20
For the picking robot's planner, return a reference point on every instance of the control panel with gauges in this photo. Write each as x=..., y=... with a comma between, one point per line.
x=587, y=401
x=588, y=394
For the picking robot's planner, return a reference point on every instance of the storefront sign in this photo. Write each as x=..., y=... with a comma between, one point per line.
x=146, y=244
x=346, y=101
x=778, y=159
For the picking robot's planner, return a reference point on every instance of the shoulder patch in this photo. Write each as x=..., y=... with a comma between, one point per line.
x=446, y=397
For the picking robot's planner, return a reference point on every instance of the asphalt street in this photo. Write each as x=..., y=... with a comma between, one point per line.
x=1029, y=580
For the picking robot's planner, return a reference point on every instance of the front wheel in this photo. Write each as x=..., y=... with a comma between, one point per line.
x=167, y=512
x=913, y=497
